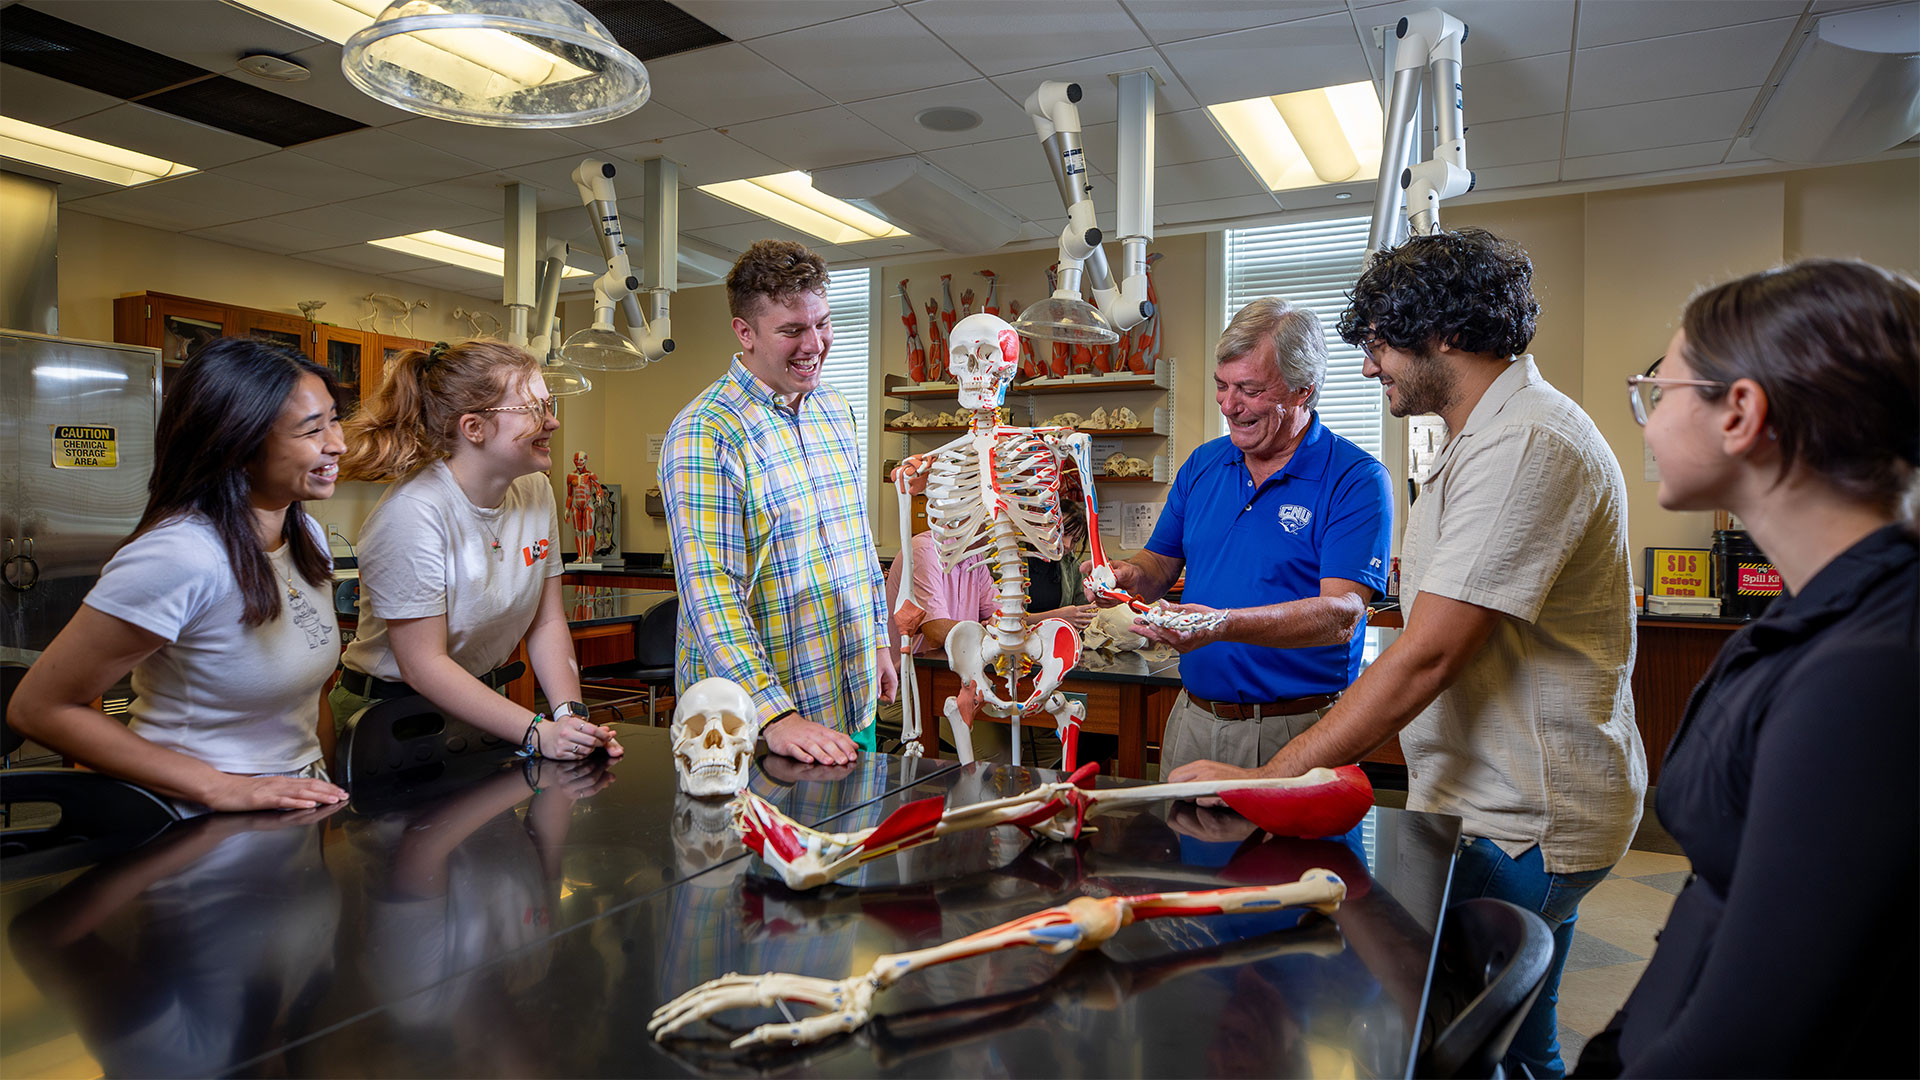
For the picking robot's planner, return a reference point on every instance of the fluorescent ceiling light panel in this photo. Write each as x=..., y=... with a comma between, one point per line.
x=790, y=199
x=52, y=149
x=476, y=63
x=1326, y=136
x=459, y=251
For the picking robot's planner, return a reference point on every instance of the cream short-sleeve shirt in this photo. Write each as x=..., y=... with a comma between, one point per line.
x=1525, y=512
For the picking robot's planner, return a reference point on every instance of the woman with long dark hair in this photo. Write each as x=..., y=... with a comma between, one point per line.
x=1792, y=398
x=460, y=560
x=220, y=603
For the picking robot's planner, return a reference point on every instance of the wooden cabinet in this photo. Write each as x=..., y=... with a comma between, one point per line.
x=343, y=352
x=291, y=331
x=177, y=325
x=382, y=351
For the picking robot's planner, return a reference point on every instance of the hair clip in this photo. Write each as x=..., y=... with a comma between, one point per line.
x=436, y=353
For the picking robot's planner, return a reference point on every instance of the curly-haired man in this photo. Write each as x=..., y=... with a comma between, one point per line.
x=780, y=589
x=1511, y=686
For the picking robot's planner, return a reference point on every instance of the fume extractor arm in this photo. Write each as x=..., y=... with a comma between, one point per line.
x=1428, y=45
x=619, y=286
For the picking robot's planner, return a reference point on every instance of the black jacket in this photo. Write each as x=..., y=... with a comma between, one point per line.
x=1791, y=784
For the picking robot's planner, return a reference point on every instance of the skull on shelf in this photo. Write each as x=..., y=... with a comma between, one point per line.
x=712, y=733
x=983, y=352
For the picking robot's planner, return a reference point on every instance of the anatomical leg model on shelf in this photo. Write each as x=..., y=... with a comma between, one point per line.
x=995, y=491
x=1082, y=923
x=1322, y=802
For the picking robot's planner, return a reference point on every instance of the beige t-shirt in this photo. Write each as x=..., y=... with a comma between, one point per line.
x=1525, y=513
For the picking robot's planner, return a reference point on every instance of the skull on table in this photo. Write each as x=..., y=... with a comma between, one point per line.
x=713, y=731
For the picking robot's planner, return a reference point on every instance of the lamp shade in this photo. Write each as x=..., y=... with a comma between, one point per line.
x=602, y=349
x=1065, y=319
x=496, y=63
x=563, y=379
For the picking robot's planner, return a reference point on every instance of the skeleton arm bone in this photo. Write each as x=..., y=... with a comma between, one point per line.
x=1081, y=923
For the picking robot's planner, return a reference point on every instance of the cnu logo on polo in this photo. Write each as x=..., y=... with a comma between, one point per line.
x=1294, y=518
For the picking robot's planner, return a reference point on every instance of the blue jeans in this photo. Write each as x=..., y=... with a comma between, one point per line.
x=1484, y=870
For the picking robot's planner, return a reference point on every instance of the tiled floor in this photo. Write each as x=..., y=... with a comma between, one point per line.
x=1612, y=941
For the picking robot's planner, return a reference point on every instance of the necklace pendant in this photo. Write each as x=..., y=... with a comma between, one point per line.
x=496, y=547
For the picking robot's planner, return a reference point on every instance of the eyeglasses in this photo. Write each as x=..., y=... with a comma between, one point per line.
x=1644, y=390
x=539, y=410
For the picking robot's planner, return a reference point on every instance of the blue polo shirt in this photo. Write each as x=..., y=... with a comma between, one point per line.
x=1328, y=513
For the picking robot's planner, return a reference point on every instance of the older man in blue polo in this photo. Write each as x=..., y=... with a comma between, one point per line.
x=1284, y=526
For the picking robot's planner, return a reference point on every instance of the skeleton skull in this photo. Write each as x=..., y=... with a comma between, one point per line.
x=712, y=734
x=984, y=352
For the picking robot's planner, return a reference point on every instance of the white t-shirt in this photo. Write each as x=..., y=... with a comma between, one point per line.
x=242, y=699
x=426, y=550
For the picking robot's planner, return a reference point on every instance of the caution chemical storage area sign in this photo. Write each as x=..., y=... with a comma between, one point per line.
x=84, y=446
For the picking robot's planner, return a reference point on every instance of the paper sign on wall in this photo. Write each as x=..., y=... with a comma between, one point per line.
x=84, y=446
x=1136, y=523
x=654, y=445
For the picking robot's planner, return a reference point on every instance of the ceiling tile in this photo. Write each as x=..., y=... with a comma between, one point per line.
x=339, y=221
x=495, y=148
x=817, y=139
x=1668, y=67
x=486, y=191
x=206, y=33
x=1496, y=29
x=1039, y=203
x=554, y=179
x=651, y=121
x=456, y=279
x=745, y=19
x=1647, y=124
x=231, y=197
x=1512, y=176
x=1512, y=89
x=1002, y=38
x=1198, y=181
x=1177, y=138
x=891, y=247
x=413, y=211
x=728, y=84
x=1099, y=102
x=309, y=177
x=1000, y=116
x=741, y=237
x=1279, y=59
x=366, y=257
x=1743, y=151
x=699, y=210
x=996, y=164
x=147, y=206
x=150, y=132
x=267, y=236
x=327, y=88
x=1235, y=209
x=388, y=156
x=1643, y=161
x=1178, y=20
x=871, y=55
x=1610, y=22
x=1513, y=142
x=37, y=99
x=707, y=157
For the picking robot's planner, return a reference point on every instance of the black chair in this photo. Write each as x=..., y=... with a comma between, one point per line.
x=99, y=817
x=406, y=739
x=653, y=656
x=1493, y=958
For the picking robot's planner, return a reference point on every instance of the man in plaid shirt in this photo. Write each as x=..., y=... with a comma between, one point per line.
x=780, y=587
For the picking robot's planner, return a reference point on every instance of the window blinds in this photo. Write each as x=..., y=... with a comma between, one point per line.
x=1313, y=264
x=849, y=362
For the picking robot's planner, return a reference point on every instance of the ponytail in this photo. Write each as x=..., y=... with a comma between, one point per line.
x=414, y=418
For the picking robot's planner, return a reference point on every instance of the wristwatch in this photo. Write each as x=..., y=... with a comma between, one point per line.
x=575, y=709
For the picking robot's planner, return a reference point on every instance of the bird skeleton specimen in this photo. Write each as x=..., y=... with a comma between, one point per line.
x=1322, y=802
x=1083, y=923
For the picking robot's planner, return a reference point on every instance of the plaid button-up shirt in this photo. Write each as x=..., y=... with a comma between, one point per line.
x=780, y=587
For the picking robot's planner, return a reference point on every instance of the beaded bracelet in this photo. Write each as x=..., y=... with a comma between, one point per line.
x=529, y=745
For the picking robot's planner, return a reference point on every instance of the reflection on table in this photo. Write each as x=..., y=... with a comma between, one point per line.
x=481, y=927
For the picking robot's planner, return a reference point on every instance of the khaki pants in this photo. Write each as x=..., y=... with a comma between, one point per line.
x=991, y=741
x=1195, y=734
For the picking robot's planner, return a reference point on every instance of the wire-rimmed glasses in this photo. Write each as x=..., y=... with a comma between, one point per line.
x=1644, y=390
x=540, y=409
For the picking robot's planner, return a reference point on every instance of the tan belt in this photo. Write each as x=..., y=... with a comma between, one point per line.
x=1239, y=710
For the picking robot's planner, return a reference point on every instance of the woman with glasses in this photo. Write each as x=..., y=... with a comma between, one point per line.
x=1792, y=398
x=460, y=559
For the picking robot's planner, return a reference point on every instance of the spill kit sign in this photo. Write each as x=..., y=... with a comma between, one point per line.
x=79, y=446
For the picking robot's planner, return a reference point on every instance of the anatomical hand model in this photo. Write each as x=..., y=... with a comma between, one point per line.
x=995, y=491
x=1323, y=802
x=1079, y=924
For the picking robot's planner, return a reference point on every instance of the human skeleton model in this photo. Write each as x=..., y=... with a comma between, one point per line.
x=584, y=492
x=1322, y=802
x=1083, y=923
